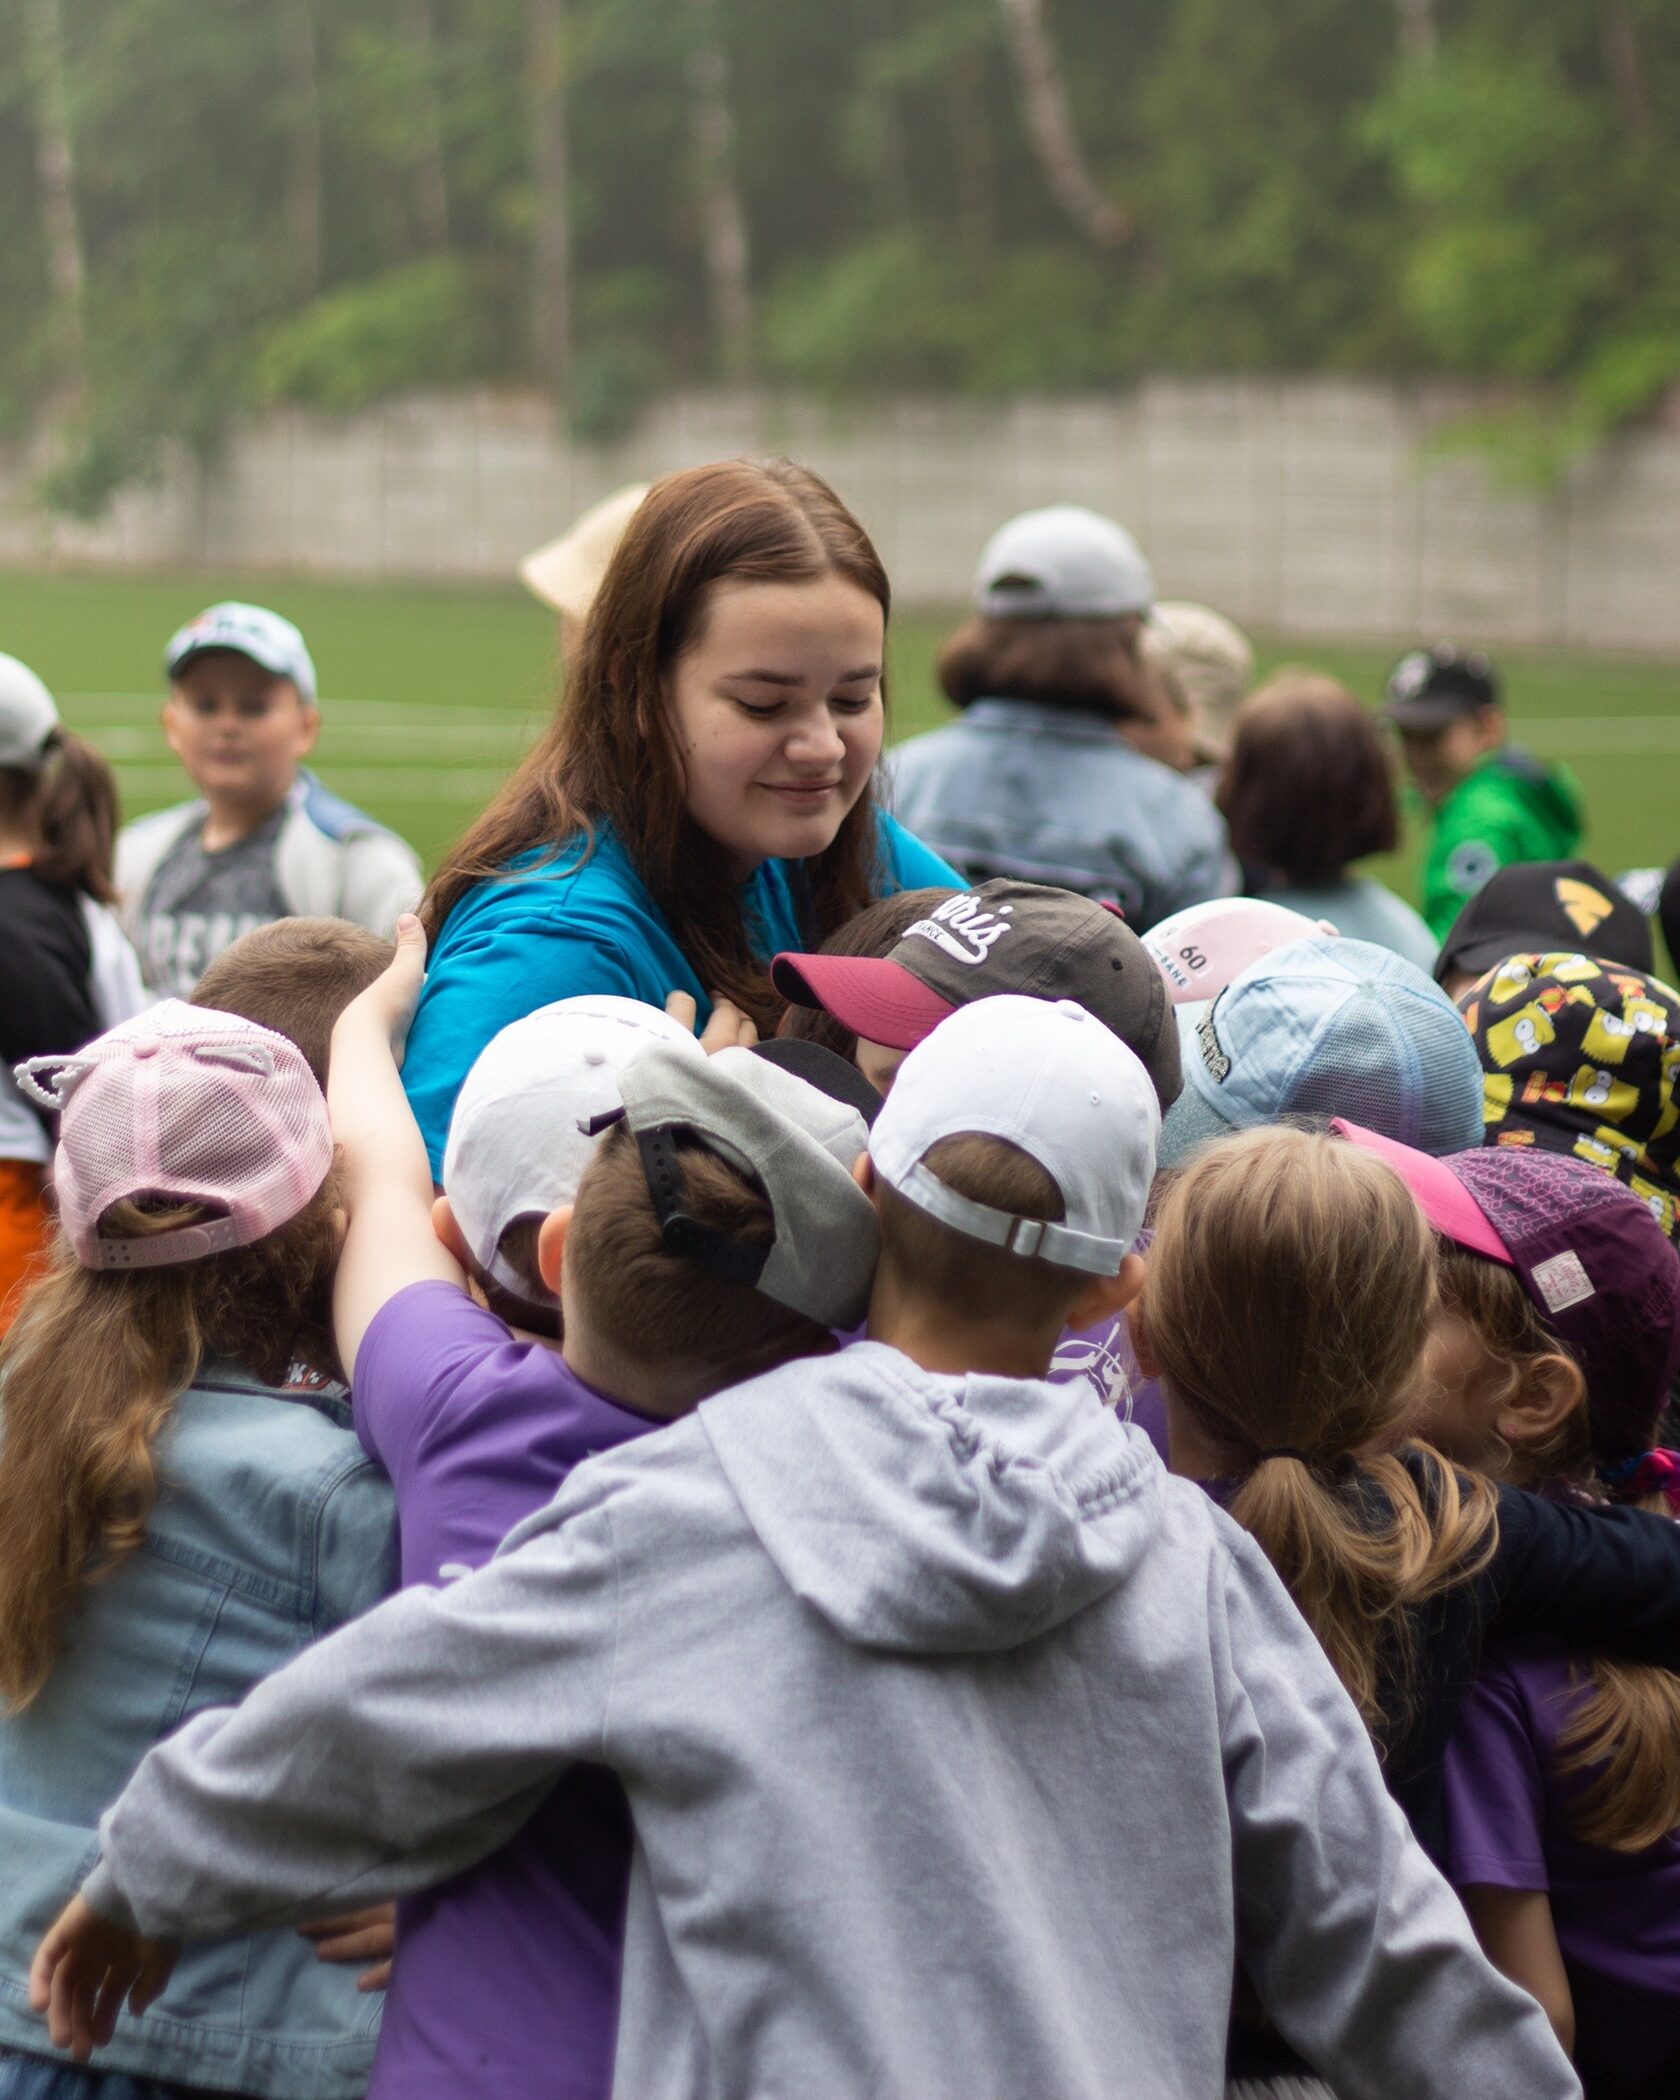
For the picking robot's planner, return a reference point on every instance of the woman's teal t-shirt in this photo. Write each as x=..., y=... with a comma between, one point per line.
x=568, y=927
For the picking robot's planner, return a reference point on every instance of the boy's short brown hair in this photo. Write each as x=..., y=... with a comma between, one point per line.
x=960, y=1273
x=1306, y=790
x=661, y=1308
x=295, y=976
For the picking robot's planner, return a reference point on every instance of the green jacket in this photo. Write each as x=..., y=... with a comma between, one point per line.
x=1510, y=808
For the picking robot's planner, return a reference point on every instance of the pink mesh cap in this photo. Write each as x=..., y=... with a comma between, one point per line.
x=187, y=1103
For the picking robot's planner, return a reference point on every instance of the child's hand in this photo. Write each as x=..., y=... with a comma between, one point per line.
x=83, y=1970
x=391, y=998
x=362, y=1935
x=728, y=1029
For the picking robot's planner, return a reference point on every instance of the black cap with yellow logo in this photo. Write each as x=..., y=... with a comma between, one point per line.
x=1539, y=906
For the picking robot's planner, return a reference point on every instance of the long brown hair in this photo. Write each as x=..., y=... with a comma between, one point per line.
x=89, y=1375
x=1625, y=1735
x=610, y=756
x=1291, y=1282
x=71, y=802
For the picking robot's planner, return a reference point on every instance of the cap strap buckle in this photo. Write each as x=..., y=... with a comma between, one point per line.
x=733, y=1259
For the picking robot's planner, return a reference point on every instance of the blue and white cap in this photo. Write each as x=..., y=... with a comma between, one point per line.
x=1328, y=1027
x=249, y=630
x=1056, y=1083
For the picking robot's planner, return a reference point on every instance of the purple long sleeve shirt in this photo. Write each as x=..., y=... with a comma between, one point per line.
x=506, y=1978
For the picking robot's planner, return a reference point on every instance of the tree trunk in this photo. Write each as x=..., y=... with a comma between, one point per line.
x=551, y=243
x=303, y=173
x=55, y=171
x=723, y=222
x=1049, y=120
x=1419, y=32
x=431, y=186
x=1626, y=66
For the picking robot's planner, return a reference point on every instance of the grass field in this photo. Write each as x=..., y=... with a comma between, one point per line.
x=429, y=693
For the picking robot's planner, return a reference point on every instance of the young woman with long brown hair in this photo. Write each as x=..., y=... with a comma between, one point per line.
x=702, y=798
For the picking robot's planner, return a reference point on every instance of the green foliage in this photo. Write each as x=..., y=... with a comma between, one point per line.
x=290, y=200
x=424, y=324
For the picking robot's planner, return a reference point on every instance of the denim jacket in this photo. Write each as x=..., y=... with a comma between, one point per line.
x=1055, y=795
x=271, y=1527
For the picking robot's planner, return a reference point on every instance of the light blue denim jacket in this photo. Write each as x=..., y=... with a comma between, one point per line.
x=1055, y=795
x=271, y=1527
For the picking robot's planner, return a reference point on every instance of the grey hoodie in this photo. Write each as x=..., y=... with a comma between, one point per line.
x=966, y=1749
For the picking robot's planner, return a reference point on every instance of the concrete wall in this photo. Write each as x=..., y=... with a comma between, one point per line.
x=1311, y=505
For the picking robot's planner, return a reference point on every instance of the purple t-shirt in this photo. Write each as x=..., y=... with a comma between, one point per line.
x=1103, y=1354
x=506, y=1977
x=1616, y=1914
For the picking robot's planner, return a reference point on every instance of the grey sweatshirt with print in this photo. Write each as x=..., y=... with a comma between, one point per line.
x=966, y=1750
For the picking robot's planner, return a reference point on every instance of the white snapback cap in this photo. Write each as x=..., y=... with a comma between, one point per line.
x=1053, y=1081
x=1064, y=563
x=248, y=630
x=28, y=716
x=515, y=1149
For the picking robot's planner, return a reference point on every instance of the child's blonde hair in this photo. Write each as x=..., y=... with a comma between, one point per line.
x=1626, y=1734
x=90, y=1372
x=1290, y=1288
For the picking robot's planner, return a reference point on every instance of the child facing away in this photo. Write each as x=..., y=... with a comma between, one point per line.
x=1291, y=1290
x=1490, y=803
x=479, y=1428
x=895, y=1654
x=66, y=970
x=175, y=1525
x=263, y=839
x=1549, y=1364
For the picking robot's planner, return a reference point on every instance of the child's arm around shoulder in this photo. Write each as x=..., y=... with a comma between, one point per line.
x=1355, y=1943
x=390, y=1243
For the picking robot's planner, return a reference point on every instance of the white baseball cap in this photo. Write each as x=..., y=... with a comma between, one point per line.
x=1056, y=1083
x=28, y=716
x=1064, y=563
x=248, y=630
x=515, y=1149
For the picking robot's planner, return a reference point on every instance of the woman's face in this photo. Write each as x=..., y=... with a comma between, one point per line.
x=776, y=707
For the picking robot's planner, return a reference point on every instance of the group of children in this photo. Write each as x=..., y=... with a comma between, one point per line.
x=1092, y=1517
x=784, y=1620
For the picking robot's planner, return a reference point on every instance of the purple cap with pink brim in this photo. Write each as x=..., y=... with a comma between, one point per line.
x=1591, y=1258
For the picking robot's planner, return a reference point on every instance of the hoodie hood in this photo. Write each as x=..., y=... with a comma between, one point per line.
x=931, y=1514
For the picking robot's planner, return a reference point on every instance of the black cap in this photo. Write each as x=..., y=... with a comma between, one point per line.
x=1429, y=688
x=820, y=1068
x=1542, y=907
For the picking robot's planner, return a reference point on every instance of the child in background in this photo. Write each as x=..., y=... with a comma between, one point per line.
x=1307, y=793
x=478, y=1429
x=265, y=839
x=295, y=976
x=1290, y=1281
x=196, y=1525
x=911, y=1550
x=1549, y=1364
x=66, y=970
x=1490, y=803
x=1579, y=1057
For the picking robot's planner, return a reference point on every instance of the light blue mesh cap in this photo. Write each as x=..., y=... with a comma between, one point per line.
x=1328, y=1027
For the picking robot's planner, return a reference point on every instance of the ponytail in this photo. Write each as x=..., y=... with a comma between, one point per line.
x=72, y=803
x=90, y=1372
x=1291, y=1285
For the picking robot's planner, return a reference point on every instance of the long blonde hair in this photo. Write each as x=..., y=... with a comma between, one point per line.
x=1625, y=1736
x=1290, y=1288
x=90, y=1372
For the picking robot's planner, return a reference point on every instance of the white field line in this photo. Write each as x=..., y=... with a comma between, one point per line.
x=153, y=784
